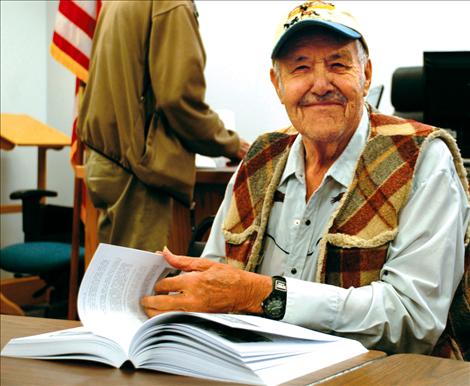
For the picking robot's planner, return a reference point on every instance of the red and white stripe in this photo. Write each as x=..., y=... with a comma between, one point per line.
x=73, y=35
x=71, y=46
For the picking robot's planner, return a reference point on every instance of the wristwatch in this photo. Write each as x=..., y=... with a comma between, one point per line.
x=274, y=306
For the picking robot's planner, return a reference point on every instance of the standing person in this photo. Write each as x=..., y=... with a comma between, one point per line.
x=350, y=221
x=143, y=117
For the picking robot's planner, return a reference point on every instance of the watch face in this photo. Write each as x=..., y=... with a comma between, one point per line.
x=274, y=308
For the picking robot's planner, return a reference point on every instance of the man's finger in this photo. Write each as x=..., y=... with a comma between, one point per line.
x=150, y=312
x=171, y=284
x=187, y=264
x=160, y=303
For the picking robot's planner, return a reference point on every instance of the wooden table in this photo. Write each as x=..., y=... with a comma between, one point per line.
x=15, y=371
x=407, y=369
x=22, y=130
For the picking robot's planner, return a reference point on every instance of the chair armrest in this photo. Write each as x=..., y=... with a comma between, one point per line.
x=32, y=193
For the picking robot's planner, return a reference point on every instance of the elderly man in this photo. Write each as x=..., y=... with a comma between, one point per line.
x=350, y=221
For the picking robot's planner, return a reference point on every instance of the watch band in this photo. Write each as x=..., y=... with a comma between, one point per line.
x=274, y=306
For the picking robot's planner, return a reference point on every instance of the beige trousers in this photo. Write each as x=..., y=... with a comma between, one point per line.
x=131, y=214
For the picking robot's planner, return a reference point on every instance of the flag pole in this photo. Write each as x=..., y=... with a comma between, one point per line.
x=74, y=257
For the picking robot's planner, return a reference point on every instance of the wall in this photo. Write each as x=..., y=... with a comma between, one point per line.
x=238, y=38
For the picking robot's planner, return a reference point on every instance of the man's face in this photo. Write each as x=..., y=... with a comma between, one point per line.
x=322, y=84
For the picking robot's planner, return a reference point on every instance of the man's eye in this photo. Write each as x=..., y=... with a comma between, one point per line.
x=338, y=65
x=301, y=68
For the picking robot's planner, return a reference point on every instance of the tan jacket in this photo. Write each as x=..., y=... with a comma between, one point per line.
x=144, y=103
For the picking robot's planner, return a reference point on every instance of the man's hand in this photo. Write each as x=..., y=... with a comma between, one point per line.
x=242, y=150
x=244, y=146
x=207, y=287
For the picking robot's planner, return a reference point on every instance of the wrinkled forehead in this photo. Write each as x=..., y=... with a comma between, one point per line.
x=319, y=37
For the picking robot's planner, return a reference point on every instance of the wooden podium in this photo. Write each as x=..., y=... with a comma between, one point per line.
x=22, y=130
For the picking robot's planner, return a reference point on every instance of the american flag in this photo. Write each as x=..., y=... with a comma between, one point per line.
x=71, y=46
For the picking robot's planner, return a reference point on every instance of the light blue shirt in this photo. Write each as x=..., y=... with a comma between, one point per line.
x=424, y=265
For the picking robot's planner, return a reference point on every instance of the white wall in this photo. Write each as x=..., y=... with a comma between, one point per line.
x=238, y=39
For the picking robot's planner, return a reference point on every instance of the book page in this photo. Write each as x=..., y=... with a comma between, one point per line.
x=110, y=292
x=72, y=343
x=247, y=322
x=276, y=352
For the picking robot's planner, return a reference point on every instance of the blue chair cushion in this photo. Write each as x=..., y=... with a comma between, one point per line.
x=37, y=257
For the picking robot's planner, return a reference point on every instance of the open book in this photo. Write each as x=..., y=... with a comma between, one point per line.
x=222, y=347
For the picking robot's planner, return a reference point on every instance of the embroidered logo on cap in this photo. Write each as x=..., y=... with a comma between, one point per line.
x=309, y=9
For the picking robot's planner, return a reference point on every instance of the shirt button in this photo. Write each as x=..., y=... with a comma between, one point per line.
x=293, y=271
x=296, y=222
x=307, y=222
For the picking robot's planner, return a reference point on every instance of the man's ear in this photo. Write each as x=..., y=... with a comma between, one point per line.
x=367, y=77
x=276, y=83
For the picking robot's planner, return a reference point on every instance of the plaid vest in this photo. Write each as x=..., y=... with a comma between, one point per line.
x=354, y=248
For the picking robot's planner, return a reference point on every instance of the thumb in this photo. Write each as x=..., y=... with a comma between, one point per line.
x=186, y=263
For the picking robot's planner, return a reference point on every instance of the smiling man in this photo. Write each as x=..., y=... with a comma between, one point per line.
x=322, y=79
x=349, y=221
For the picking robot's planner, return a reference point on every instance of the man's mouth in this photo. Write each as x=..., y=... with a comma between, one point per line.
x=328, y=100
x=322, y=104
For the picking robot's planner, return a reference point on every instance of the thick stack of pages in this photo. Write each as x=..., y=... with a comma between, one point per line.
x=222, y=347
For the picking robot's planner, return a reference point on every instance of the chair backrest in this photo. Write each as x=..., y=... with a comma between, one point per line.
x=44, y=222
x=55, y=224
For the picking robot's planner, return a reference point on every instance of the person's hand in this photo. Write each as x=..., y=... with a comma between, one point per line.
x=207, y=286
x=244, y=146
x=242, y=150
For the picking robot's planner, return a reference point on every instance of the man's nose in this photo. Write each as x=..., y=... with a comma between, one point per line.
x=321, y=82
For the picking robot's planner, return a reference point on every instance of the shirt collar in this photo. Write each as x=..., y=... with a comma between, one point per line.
x=343, y=168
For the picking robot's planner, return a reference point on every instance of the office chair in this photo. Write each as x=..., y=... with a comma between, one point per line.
x=408, y=93
x=46, y=249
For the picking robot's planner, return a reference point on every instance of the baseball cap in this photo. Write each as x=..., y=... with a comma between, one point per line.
x=317, y=13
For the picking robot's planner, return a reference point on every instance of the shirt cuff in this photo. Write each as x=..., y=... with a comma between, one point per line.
x=312, y=305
